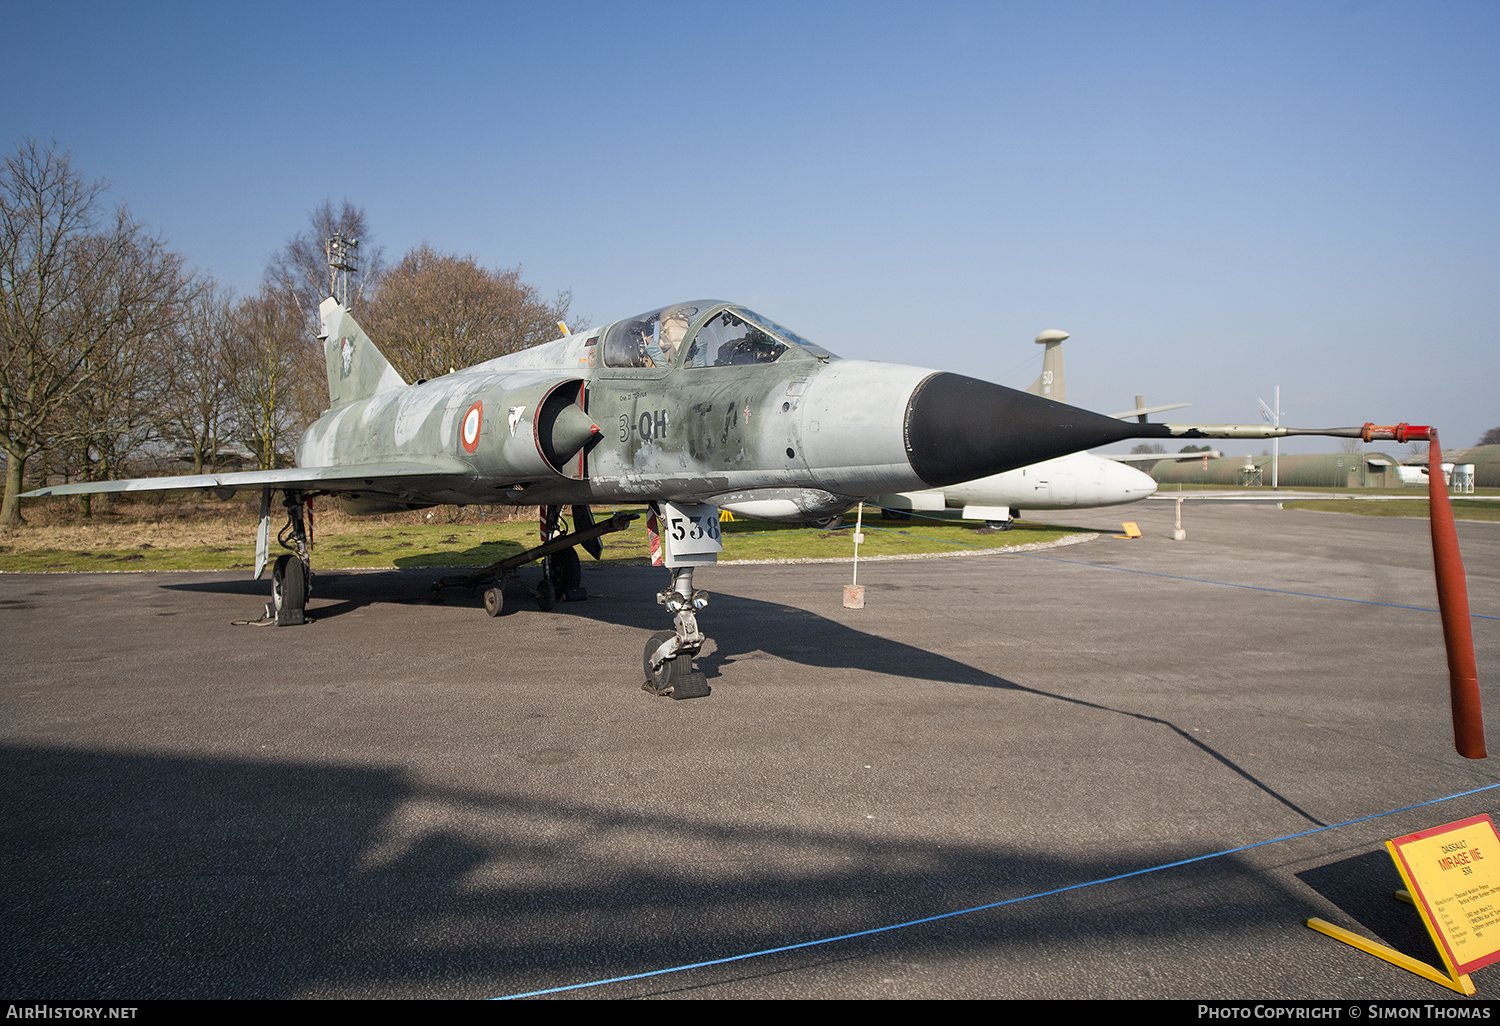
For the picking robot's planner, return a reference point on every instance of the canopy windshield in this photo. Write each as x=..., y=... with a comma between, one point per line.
x=739, y=336
x=652, y=339
x=786, y=334
x=727, y=336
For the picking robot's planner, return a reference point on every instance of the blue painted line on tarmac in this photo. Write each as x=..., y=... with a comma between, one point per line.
x=982, y=908
x=1059, y=890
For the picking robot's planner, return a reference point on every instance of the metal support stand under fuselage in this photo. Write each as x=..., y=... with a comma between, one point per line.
x=497, y=573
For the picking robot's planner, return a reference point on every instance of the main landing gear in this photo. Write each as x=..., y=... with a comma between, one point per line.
x=562, y=572
x=291, y=574
x=1000, y=525
x=668, y=660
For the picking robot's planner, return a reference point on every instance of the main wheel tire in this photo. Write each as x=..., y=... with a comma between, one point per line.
x=546, y=596
x=288, y=591
x=565, y=571
x=494, y=600
x=663, y=676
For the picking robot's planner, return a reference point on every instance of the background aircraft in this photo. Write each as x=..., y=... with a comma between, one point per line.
x=1079, y=480
x=693, y=407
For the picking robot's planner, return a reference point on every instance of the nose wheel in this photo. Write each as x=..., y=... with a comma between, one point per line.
x=668, y=659
x=661, y=678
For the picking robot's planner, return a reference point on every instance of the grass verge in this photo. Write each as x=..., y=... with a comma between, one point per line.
x=346, y=543
x=1463, y=509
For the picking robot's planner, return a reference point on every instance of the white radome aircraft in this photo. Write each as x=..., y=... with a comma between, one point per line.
x=1079, y=480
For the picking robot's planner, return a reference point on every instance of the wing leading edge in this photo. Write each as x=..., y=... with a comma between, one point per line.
x=394, y=477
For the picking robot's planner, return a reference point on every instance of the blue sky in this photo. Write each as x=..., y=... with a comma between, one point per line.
x=1214, y=198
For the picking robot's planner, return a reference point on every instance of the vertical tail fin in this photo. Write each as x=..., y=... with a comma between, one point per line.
x=1051, y=385
x=356, y=369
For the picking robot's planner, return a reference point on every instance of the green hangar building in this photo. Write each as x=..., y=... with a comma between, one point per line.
x=1485, y=458
x=1321, y=470
x=1332, y=470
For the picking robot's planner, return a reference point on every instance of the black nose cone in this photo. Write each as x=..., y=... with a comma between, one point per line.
x=959, y=428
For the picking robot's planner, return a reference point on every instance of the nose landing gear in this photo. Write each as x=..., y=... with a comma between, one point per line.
x=668, y=660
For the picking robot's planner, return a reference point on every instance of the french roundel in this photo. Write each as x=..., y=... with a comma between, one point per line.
x=469, y=432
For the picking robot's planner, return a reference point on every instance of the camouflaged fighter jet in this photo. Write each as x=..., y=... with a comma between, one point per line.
x=693, y=408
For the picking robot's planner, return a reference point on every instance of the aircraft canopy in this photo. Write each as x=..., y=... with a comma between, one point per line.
x=701, y=334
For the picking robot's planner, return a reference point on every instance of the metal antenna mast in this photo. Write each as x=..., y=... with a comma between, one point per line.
x=343, y=263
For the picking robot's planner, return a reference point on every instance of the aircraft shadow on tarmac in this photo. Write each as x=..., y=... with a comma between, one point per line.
x=739, y=627
x=165, y=877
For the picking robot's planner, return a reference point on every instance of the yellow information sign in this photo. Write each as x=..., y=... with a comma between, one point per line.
x=1453, y=875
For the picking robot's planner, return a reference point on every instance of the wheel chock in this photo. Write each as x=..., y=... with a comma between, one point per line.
x=690, y=685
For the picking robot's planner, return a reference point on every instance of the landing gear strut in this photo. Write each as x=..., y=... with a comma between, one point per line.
x=669, y=655
x=562, y=571
x=291, y=575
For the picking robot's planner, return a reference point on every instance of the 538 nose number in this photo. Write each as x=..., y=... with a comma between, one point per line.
x=694, y=528
x=690, y=533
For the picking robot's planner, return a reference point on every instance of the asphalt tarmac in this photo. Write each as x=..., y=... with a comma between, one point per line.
x=414, y=799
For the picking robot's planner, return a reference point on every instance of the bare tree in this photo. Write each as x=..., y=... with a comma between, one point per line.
x=301, y=268
x=199, y=404
x=119, y=416
x=265, y=353
x=78, y=291
x=436, y=311
x=1490, y=437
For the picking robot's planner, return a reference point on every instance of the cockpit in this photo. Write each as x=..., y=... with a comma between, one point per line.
x=702, y=334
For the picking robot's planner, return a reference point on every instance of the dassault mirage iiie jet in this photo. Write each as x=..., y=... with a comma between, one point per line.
x=693, y=408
